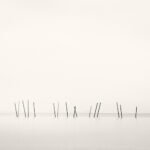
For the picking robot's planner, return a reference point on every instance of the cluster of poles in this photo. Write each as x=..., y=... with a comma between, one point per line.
x=56, y=113
x=27, y=109
x=119, y=111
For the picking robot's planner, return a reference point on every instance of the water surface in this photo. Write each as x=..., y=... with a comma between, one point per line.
x=45, y=133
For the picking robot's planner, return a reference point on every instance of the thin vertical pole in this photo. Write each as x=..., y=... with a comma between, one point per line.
x=136, y=112
x=16, y=109
x=98, y=109
x=54, y=110
x=90, y=111
x=118, y=109
x=121, y=111
x=28, y=105
x=95, y=110
x=34, y=109
x=66, y=109
x=75, y=112
x=57, y=110
x=24, y=108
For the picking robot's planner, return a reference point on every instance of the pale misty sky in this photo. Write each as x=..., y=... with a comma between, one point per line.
x=80, y=51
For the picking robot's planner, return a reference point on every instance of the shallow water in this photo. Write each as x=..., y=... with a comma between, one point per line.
x=105, y=133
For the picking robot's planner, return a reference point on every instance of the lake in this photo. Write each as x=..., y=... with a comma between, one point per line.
x=83, y=133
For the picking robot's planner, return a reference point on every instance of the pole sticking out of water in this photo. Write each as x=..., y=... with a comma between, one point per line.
x=57, y=110
x=98, y=109
x=121, y=111
x=28, y=108
x=24, y=109
x=54, y=110
x=90, y=111
x=16, y=110
x=34, y=109
x=118, y=110
x=95, y=110
x=136, y=112
x=66, y=109
x=75, y=112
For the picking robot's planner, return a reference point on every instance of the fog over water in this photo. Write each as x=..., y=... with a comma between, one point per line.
x=82, y=52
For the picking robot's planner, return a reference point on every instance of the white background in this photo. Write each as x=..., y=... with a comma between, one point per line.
x=80, y=51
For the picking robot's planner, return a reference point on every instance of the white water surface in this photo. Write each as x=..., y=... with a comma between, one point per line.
x=83, y=133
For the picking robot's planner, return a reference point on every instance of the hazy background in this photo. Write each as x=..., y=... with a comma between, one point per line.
x=78, y=51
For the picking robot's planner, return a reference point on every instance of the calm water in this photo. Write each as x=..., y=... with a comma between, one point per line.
x=47, y=133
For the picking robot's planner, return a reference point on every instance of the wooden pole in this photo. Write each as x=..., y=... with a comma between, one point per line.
x=118, y=109
x=121, y=111
x=57, y=110
x=75, y=112
x=95, y=110
x=66, y=109
x=98, y=109
x=136, y=112
x=24, y=109
x=90, y=111
x=34, y=109
x=28, y=105
x=16, y=109
x=54, y=110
